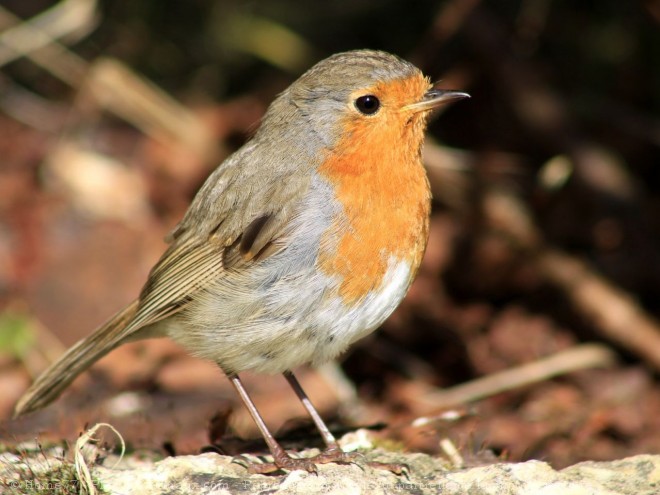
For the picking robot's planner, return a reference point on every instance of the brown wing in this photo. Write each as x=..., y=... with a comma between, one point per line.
x=187, y=267
x=192, y=261
x=182, y=271
x=240, y=215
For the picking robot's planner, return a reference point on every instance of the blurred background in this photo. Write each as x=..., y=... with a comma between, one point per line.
x=532, y=330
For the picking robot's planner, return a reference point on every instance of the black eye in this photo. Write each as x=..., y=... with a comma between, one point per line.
x=367, y=104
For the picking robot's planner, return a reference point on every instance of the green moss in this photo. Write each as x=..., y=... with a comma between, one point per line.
x=16, y=333
x=59, y=479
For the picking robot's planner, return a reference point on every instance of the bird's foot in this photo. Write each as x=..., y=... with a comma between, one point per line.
x=284, y=461
x=335, y=454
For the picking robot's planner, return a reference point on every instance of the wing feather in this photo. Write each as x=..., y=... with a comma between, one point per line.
x=235, y=201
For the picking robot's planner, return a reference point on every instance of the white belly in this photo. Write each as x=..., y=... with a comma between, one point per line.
x=270, y=340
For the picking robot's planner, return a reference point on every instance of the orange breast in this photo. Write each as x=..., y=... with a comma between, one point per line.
x=383, y=188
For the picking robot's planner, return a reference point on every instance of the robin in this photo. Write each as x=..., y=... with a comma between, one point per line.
x=300, y=243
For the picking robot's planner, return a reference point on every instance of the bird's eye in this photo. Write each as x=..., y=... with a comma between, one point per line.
x=367, y=104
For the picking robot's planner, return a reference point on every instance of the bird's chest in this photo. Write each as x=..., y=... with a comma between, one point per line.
x=381, y=222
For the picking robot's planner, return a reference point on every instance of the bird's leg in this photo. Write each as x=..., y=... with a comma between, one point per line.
x=281, y=460
x=328, y=437
x=333, y=453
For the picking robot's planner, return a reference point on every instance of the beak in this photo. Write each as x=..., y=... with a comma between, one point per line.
x=434, y=98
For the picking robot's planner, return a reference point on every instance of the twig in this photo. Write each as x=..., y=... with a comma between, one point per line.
x=612, y=311
x=36, y=39
x=115, y=87
x=577, y=358
x=82, y=469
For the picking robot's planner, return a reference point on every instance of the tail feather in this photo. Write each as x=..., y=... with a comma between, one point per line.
x=81, y=356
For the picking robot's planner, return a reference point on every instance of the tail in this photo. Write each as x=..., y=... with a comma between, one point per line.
x=81, y=356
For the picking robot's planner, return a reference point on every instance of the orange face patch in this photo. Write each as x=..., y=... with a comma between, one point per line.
x=379, y=179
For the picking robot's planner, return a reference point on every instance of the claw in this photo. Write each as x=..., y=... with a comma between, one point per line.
x=397, y=469
x=339, y=456
x=284, y=462
x=288, y=463
x=309, y=464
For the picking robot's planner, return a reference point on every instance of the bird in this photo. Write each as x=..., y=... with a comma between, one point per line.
x=297, y=245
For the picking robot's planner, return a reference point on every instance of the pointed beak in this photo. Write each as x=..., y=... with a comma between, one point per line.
x=434, y=98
